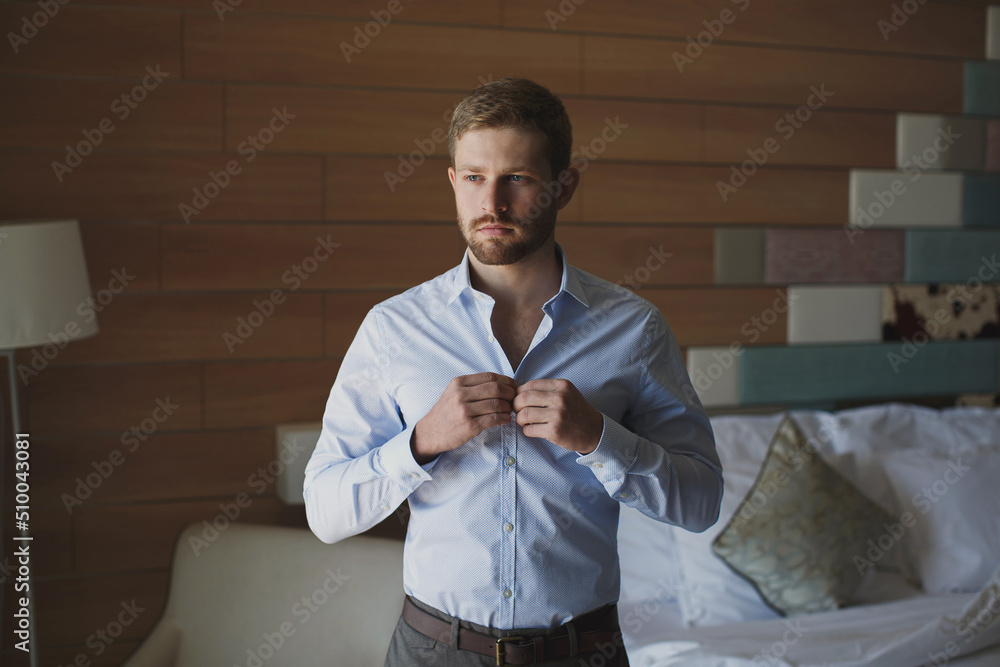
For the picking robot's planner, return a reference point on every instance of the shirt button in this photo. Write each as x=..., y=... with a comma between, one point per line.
x=508, y=527
x=413, y=474
x=623, y=495
x=510, y=460
x=507, y=593
x=490, y=338
x=385, y=507
x=598, y=465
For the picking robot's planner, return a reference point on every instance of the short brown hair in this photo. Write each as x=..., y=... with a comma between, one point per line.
x=519, y=104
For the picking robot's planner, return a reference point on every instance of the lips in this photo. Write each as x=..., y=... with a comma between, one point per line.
x=495, y=230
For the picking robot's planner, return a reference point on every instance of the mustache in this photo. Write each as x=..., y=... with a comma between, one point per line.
x=496, y=220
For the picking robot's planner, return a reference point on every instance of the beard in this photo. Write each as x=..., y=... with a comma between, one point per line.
x=528, y=236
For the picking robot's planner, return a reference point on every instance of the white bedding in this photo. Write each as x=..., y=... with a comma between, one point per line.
x=906, y=633
x=662, y=624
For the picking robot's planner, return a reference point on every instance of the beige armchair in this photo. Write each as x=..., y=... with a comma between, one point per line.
x=264, y=596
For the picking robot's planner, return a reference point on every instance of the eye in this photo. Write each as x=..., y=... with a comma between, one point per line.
x=472, y=177
x=518, y=178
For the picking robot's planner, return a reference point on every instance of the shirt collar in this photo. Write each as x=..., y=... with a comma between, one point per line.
x=569, y=284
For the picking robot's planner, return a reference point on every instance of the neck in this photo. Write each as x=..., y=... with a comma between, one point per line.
x=528, y=283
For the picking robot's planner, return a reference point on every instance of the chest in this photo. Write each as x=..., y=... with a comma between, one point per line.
x=514, y=332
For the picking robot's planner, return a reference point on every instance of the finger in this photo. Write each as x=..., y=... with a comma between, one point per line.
x=532, y=415
x=484, y=422
x=544, y=384
x=482, y=378
x=486, y=390
x=540, y=399
x=488, y=406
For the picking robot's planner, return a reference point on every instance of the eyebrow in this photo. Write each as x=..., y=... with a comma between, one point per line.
x=511, y=170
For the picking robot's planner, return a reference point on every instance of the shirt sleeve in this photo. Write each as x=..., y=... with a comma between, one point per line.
x=362, y=468
x=662, y=460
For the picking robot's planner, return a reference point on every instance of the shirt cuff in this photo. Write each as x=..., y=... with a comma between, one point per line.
x=615, y=452
x=395, y=458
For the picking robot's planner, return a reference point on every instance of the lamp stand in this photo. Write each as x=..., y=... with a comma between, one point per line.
x=16, y=420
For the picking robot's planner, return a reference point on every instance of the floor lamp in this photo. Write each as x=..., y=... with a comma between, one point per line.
x=43, y=290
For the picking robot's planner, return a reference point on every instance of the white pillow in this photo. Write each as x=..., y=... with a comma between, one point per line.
x=956, y=535
x=713, y=594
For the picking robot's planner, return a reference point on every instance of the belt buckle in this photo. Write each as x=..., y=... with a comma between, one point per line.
x=501, y=657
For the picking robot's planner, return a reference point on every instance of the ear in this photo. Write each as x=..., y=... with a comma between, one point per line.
x=452, y=176
x=569, y=179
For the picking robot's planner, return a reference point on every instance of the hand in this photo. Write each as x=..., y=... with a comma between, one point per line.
x=557, y=411
x=469, y=405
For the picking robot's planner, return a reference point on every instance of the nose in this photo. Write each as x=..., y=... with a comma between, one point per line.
x=494, y=199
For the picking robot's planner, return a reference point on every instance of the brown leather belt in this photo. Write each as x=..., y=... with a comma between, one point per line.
x=512, y=650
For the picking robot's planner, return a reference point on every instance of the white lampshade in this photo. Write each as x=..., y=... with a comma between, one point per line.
x=44, y=286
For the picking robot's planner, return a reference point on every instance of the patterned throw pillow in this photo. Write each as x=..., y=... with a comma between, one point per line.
x=802, y=528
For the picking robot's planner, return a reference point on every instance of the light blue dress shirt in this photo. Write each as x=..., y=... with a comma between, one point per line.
x=510, y=531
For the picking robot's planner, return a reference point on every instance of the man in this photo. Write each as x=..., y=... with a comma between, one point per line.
x=515, y=401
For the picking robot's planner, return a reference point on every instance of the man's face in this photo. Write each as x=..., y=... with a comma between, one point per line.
x=499, y=180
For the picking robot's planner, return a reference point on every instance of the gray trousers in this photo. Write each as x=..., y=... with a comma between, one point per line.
x=409, y=648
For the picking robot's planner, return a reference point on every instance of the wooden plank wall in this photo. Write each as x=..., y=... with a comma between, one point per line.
x=181, y=285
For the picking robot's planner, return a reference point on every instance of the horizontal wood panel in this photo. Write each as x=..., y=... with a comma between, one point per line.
x=126, y=186
x=167, y=116
x=71, y=609
x=92, y=42
x=220, y=256
x=267, y=393
x=81, y=399
x=632, y=130
x=132, y=248
x=721, y=316
x=165, y=327
x=935, y=29
x=486, y=12
x=676, y=194
x=800, y=136
x=130, y=537
x=163, y=466
x=287, y=50
x=632, y=255
x=760, y=75
x=343, y=121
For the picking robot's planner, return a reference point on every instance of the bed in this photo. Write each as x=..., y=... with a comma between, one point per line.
x=922, y=589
